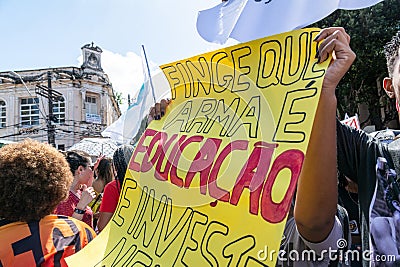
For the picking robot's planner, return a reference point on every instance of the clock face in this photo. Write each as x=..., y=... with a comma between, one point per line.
x=92, y=60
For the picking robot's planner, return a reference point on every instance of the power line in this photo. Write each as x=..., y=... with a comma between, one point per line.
x=15, y=125
x=27, y=89
x=73, y=129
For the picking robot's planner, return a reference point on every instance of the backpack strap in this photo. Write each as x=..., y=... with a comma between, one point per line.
x=391, y=152
x=344, y=219
x=341, y=213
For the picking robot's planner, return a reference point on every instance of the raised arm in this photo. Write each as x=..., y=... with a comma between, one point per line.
x=316, y=200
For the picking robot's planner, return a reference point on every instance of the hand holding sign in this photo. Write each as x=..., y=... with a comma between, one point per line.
x=313, y=192
x=336, y=42
x=158, y=110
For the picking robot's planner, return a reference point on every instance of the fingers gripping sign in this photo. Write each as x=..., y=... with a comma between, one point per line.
x=158, y=110
x=335, y=41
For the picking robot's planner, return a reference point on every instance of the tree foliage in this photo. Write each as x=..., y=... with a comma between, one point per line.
x=119, y=98
x=370, y=29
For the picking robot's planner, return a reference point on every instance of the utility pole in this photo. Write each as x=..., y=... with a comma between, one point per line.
x=52, y=96
x=51, y=137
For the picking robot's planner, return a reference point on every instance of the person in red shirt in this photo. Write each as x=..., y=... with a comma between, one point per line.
x=103, y=175
x=34, y=179
x=121, y=159
x=112, y=190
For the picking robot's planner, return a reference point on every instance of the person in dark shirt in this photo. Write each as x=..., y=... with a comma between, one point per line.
x=360, y=159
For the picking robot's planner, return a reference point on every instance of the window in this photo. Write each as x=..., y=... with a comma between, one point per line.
x=3, y=114
x=59, y=110
x=91, y=105
x=29, y=111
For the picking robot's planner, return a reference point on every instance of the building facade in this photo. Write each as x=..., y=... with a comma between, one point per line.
x=60, y=106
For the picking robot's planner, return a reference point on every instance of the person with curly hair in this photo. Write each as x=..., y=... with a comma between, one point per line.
x=34, y=179
x=81, y=192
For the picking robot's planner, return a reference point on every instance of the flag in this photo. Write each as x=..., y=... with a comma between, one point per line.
x=352, y=121
x=154, y=88
x=246, y=20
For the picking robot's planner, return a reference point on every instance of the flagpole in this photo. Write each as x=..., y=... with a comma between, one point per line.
x=148, y=71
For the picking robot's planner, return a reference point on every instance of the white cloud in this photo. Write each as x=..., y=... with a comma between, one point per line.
x=125, y=73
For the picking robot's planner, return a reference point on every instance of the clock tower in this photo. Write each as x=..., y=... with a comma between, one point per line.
x=91, y=57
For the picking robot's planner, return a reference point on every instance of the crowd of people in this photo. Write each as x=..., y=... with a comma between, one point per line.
x=52, y=205
x=52, y=202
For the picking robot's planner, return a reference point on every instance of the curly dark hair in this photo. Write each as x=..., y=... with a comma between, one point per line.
x=34, y=179
x=391, y=50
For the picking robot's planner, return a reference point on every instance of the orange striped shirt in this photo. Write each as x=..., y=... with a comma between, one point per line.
x=42, y=243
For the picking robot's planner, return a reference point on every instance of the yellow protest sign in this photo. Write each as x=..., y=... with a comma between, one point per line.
x=211, y=183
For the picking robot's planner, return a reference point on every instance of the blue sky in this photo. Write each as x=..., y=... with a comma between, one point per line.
x=50, y=33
